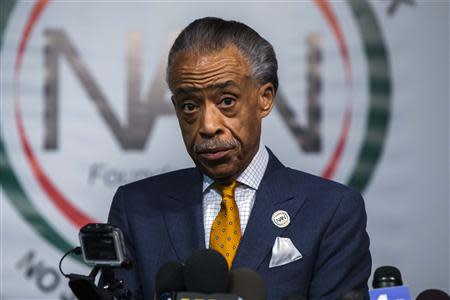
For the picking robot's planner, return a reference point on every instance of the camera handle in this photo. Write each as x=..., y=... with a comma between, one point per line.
x=111, y=283
x=84, y=287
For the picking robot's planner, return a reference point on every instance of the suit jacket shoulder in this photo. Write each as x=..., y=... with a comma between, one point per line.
x=152, y=192
x=323, y=192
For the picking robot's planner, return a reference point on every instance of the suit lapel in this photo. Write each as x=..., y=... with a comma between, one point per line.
x=184, y=215
x=274, y=193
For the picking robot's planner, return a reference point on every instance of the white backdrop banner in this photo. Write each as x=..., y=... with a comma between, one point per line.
x=363, y=100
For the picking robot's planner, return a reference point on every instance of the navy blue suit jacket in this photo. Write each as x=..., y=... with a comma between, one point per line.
x=162, y=219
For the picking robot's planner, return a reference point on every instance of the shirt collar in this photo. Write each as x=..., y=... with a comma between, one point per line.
x=252, y=175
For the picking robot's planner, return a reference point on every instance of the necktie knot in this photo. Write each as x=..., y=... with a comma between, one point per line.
x=226, y=190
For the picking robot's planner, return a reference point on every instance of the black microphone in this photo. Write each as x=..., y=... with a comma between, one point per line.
x=247, y=284
x=386, y=276
x=388, y=284
x=169, y=279
x=206, y=271
x=353, y=295
x=203, y=296
x=294, y=297
x=433, y=294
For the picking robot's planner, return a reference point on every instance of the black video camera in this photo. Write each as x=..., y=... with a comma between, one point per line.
x=103, y=248
x=102, y=245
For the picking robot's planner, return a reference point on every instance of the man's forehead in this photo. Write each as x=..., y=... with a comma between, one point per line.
x=213, y=69
x=201, y=57
x=187, y=89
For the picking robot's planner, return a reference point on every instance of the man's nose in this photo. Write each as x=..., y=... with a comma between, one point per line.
x=211, y=121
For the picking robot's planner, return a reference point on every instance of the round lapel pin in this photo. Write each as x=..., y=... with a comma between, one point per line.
x=281, y=218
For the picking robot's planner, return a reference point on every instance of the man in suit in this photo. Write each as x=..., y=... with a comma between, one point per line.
x=303, y=234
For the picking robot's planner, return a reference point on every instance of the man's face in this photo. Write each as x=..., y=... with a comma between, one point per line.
x=219, y=107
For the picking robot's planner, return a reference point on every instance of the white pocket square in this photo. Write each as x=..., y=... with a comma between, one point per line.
x=283, y=252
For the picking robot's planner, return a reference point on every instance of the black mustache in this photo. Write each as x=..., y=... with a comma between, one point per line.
x=211, y=145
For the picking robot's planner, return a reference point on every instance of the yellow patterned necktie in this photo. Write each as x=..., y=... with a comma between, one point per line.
x=226, y=228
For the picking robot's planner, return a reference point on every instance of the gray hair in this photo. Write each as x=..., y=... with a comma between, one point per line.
x=212, y=34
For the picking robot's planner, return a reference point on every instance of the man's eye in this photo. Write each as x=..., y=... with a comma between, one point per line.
x=188, y=107
x=226, y=102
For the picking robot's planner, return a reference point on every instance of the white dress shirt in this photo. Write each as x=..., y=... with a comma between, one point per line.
x=244, y=194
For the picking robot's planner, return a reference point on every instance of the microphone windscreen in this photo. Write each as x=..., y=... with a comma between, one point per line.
x=433, y=294
x=247, y=284
x=202, y=296
x=294, y=297
x=353, y=295
x=170, y=278
x=386, y=276
x=206, y=271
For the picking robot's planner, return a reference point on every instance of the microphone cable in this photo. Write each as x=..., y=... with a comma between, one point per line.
x=76, y=250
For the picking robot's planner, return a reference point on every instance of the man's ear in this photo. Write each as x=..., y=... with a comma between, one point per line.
x=266, y=99
x=173, y=101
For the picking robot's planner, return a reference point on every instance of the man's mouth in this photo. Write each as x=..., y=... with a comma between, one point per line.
x=214, y=153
